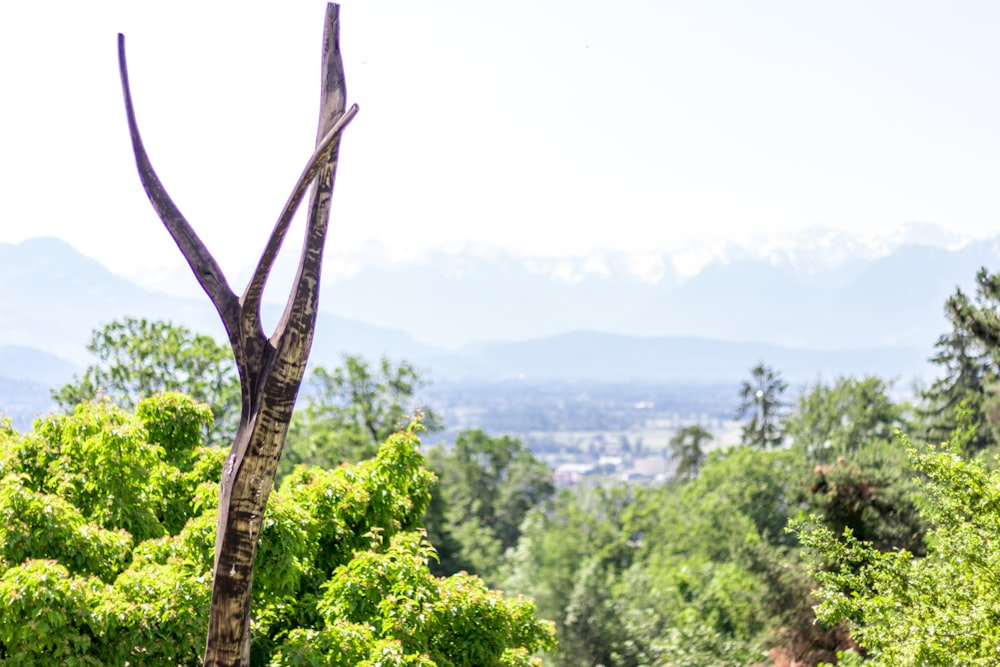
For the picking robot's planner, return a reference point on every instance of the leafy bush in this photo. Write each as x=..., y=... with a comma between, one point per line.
x=107, y=532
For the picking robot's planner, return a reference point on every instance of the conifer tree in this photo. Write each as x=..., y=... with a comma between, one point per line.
x=970, y=357
x=760, y=398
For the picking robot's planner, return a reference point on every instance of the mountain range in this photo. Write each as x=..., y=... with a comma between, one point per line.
x=817, y=289
x=451, y=299
x=491, y=315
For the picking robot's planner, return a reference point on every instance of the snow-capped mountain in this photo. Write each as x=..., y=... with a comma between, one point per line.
x=817, y=289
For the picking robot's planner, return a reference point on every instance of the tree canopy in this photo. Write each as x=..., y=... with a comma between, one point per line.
x=906, y=610
x=351, y=409
x=487, y=485
x=137, y=358
x=969, y=356
x=107, y=541
x=686, y=451
x=839, y=420
x=108, y=515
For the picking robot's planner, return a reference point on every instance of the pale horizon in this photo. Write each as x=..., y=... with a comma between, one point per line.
x=805, y=252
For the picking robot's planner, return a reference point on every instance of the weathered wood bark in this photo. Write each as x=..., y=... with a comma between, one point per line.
x=271, y=369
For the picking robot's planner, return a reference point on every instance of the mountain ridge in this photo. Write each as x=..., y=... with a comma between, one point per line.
x=460, y=315
x=892, y=299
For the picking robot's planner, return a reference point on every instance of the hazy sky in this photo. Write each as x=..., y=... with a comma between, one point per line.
x=547, y=126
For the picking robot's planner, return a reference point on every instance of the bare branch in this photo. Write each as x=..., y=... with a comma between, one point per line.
x=206, y=269
x=300, y=310
x=255, y=288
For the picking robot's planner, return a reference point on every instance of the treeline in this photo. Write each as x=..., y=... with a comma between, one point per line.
x=827, y=536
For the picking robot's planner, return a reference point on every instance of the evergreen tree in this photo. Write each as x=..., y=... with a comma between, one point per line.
x=686, y=451
x=970, y=357
x=760, y=397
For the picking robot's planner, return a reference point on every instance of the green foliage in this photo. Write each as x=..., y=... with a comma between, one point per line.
x=107, y=532
x=744, y=483
x=48, y=616
x=369, y=570
x=37, y=525
x=156, y=614
x=969, y=355
x=872, y=493
x=848, y=658
x=760, y=397
x=351, y=410
x=98, y=459
x=487, y=486
x=176, y=424
x=695, y=613
x=702, y=571
x=552, y=548
x=344, y=644
x=840, y=420
x=686, y=451
x=652, y=577
x=699, y=572
x=936, y=610
x=453, y=621
x=7, y=430
x=138, y=358
x=856, y=474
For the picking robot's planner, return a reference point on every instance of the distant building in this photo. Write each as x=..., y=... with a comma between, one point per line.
x=615, y=462
x=569, y=474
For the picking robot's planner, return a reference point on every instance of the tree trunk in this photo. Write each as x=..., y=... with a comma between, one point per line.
x=271, y=369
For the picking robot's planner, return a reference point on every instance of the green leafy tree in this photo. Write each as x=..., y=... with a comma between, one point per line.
x=107, y=532
x=487, y=486
x=662, y=576
x=353, y=408
x=760, y=398
x=566, y=560
x=838, y=420
x=686, y=451
x=138, y=358
x=873, y=494
x=83, y=498
x=855, y=474
x=385, y=607
x=903, y=609
x=715, y=578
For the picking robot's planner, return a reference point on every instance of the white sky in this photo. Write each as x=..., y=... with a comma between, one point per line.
x=552, y=127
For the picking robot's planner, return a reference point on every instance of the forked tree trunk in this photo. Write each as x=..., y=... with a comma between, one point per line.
x=271, y=369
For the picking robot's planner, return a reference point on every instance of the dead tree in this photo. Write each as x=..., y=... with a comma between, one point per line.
x=270, y=369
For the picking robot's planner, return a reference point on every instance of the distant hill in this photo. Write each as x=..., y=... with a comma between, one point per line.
x=615, y=358
x=594, y=318
x=52, y=298
x=22, y=401
x=18, y=362
x=453, y=299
